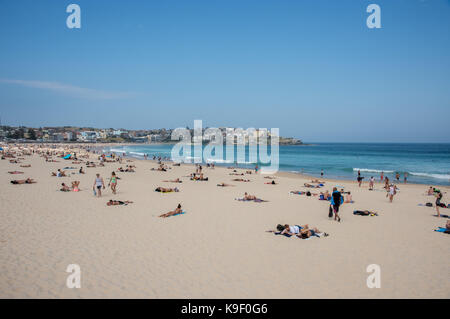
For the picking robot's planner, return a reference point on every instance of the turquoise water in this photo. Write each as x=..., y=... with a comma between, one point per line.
x=424, y=163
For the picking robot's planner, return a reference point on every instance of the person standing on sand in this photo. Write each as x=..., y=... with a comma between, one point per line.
x=372, y=180
x=397, y=176
x=256, y=169
x=381, y=176
x=99, y=183
x=406, y=177
x=321, y=173
x=438, y=202
x=392, y=192
x=113, y=182
x=336, y=201
x=359, y=179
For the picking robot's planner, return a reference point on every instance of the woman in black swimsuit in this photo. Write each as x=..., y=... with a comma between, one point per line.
x=438, y=202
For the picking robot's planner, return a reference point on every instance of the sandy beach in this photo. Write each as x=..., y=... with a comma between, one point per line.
x=219, y=248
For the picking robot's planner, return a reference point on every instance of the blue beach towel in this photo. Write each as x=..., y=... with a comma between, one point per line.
x=182, y=212
x=440, y=229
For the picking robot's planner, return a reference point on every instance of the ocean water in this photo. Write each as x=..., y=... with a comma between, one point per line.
x=424, y=163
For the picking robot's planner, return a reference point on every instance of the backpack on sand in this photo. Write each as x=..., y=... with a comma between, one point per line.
x=330, y=212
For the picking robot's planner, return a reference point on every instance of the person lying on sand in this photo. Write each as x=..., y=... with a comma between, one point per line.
x=59, y=173
x=166, y=190
x=118, y=202
x=161, y=168
x=81, y=171
x=240, y=180
x=64, y=188
x=271, y=183
x=311, y=186
x=270, y=177
x=199, y=178
x=25, y=165
x=172, y=213
x=364, y=213
x=289, y=230
x=302, y=231
x=236, y=174
x=174, y=181
x=317, y=181
x=308, y=232
x=15, y=172
x=224, y=185
x=23, y=181
x=253, y=198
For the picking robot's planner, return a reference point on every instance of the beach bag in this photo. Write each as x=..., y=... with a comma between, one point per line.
x=330, y=212
x=308, y=193
x=429, y=204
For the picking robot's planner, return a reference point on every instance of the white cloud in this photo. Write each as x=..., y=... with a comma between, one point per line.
x=70, y=89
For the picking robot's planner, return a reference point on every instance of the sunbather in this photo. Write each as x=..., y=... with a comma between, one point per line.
x=118, y=202
x=173, y=181
x=348, y=198
x=224, y=185
x=23, y=181
x=172, y=213
x=64, y=188
x=15, y=172
x=240, y=180
x=308, y=232
x=364, y=213
x=166, y=190
x=75, y=186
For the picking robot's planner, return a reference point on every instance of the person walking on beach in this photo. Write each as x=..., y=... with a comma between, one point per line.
x=359, y=179
x=392, y=192
x=381, y=176
x=336, y=201
x=397, y=176
x=99, y=183
x=406, y=177
x=372, y=180
x=113, y=182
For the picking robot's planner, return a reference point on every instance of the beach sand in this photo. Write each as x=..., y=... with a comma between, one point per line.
x=219, y=248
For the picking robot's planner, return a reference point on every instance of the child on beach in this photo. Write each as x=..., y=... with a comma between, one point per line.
x=372, y=180
x=113, y=182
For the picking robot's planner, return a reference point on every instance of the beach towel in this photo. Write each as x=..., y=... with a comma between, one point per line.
x=251, y=200
x=67, y=156
x=286, y=235
x=182, y=212
x=442, y=230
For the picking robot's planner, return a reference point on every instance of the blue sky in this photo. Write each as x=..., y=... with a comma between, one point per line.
x=309, y=67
